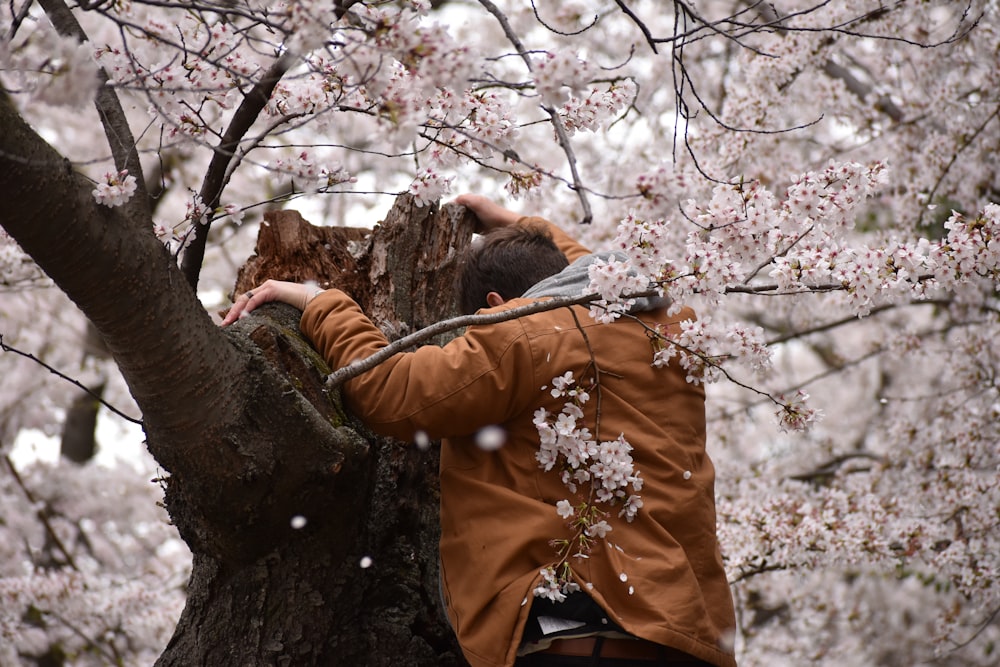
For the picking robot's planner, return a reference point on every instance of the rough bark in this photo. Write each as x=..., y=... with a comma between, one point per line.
x=309, y=598
x=401, y=272
x=192, y=384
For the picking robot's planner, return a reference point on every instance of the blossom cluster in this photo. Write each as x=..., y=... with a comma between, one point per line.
x=91, y=568
x=737, y=235
x=555, y=584
x=605, y=469
x=703, y=350
x=429, y=186
x=590, y=112
x=428, y=52
x=557, y=74
x=662, y=186
x=613, y=280
x=314, y=93
x=310, y=22
x=474, y=124
x=794, y=414
x=115, y=189
x=179, y=235
x=304, y=168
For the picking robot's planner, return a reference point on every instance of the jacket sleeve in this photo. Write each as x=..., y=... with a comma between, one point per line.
x=481, y=378
x=569, y=246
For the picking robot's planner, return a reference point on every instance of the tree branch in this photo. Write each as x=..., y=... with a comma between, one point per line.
x=220, y=169
x=339, y=376
x=123, y=280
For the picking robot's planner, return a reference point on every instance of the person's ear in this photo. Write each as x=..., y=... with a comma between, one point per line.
x=494, y=299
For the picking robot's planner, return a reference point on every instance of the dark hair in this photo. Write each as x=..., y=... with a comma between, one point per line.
x=508, y=261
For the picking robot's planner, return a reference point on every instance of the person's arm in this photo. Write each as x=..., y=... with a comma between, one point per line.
x=294, y=294
x=489, y=214
x=492, y=215
x=474, y=381
x=481, y=378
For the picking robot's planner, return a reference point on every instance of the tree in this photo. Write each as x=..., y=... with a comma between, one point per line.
x=815, y=178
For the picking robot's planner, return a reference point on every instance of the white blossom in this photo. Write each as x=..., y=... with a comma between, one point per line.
x=115, y=189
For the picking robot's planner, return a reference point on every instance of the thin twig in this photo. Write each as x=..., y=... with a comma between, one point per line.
x=4, y=347
x=355, y=369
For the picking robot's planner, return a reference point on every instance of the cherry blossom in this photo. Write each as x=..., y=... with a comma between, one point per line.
x=115, y=189
x=825, y=200
x=598, y=474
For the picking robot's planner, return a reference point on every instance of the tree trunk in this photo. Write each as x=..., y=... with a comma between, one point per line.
x=357, y=584
x=252, y=442
x=78, y=442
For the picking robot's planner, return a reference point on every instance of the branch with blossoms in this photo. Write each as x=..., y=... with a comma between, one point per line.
x=798, y=389
x=115, y=189
x=519, y=180
x=581, y=458
x=223, y=156
x=223, y=71
x=565, y=444
x=557, y=124
x=486, y=130
x=604, y=467
x=691, y=25
x=703, y=367
x=969, y=243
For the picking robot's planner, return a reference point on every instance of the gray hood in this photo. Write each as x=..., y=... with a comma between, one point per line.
x=574, y=279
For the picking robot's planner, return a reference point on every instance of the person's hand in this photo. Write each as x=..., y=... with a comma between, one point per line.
x=490, y=214
x=294, y=294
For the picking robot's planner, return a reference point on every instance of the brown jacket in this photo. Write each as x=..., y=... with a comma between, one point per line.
x=659, y=577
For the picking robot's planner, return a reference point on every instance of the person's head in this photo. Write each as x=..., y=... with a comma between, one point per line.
x=504, y=264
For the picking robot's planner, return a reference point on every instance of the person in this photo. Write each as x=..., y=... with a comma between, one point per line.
x=540, y=563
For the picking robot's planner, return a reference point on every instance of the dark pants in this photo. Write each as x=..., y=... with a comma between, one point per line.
x=580, y=607
x=674, y=659
x=549, y=660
